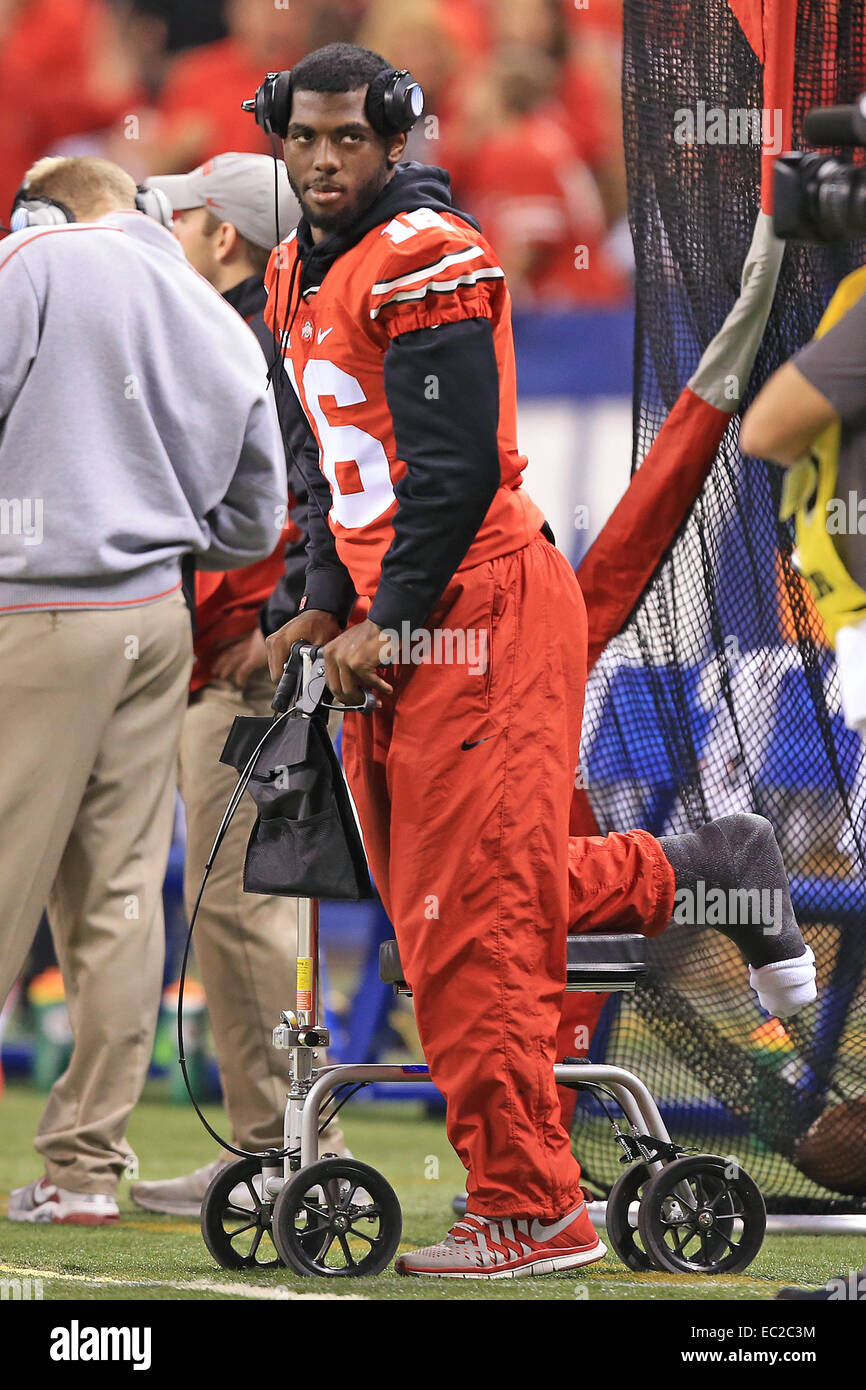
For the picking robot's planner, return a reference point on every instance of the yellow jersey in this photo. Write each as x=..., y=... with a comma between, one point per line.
x=808, y=493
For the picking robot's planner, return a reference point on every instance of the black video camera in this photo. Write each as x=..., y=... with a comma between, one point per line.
x=817, y=197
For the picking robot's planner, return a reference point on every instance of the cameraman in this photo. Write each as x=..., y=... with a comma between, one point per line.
x=811, y=417
x=136, y=429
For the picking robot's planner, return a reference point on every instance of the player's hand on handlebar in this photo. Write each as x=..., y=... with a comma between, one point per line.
x=314, y=625
x=351, y=660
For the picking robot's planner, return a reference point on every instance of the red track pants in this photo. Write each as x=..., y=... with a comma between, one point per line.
x=463, y=783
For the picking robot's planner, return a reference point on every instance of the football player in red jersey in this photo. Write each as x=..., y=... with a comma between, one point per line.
x=394, y=322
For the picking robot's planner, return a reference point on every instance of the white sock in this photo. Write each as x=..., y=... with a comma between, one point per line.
x=784, y=987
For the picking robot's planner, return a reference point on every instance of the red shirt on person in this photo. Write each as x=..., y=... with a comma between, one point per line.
x=205, y=89
x=227, y=605
x=540, y=209
x=54, y=83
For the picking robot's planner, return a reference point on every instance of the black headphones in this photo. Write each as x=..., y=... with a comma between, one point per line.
x=393, y=104
x=35, y=210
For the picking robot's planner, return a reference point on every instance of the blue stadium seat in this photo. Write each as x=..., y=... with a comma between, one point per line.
x=796, y=758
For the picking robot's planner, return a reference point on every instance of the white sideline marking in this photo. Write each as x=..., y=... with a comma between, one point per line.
x=281, y=1295
x=731, y=1282
x=261, y=1291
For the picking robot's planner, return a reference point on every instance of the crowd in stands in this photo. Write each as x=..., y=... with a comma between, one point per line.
x=522, y=106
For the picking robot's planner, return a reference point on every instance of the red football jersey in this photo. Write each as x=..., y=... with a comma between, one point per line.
x=421, y=269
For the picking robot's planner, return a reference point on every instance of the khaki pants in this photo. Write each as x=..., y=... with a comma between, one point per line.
x=245, y=943
x=91, y=710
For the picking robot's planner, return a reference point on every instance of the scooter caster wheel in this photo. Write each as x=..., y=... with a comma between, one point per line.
x=622, y=1225
x=702, y=1215
x=236, y=1218
x=337, y=1218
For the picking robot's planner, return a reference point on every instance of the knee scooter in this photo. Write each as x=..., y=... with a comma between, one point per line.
x=338, y=1217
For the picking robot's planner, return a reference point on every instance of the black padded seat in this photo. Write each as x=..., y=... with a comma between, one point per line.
x=594, y=963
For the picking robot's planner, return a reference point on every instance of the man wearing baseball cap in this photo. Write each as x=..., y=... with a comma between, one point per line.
x=228, y=215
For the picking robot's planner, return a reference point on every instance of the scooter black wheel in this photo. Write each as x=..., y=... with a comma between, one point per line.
x=236, y=1218
x=622, y=1226
x=338, y=1218
x=702, y=1215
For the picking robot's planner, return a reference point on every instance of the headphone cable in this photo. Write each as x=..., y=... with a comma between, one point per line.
x=274, y=367
x=234, y=802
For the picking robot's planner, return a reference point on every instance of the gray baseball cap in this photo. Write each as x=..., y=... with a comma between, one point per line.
x=237, y=188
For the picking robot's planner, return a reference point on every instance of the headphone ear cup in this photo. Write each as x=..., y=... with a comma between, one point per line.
x=154, y=203
x=374, y=104
x=279, y=104
x=394, y=101
x=33, y=210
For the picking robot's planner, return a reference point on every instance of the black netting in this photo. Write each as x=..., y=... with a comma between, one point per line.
x=717, y=696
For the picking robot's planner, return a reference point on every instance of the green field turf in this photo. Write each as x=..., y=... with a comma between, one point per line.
x=156, y=1257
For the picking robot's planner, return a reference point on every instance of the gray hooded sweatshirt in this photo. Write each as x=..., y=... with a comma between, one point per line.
x=135, y=425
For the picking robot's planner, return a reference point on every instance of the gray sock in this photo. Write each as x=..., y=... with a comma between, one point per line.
x=730, y=875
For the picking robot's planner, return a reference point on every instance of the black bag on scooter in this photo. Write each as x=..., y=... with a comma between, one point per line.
x=305, y=842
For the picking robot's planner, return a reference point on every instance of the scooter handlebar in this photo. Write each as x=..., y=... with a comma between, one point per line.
x=303, y=684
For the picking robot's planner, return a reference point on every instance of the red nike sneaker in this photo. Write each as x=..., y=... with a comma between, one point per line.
x=508, y=1247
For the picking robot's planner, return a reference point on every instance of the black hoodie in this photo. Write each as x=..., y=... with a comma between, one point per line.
x=451, y=478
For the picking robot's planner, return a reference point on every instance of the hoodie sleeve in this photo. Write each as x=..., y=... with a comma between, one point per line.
x=448, y=439
x=284, y=603
x=327, y=583
x=246, y=524
x=19, y=340
x=432, y=307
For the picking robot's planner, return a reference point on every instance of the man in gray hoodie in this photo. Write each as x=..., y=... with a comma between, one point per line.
x=136, y=428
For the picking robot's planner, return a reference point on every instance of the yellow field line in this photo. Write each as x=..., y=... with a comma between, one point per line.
x=178, y=1226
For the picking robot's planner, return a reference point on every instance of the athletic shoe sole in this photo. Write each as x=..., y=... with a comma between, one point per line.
x=168, y=1208
x=42, y=1218
x=520, y=1269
